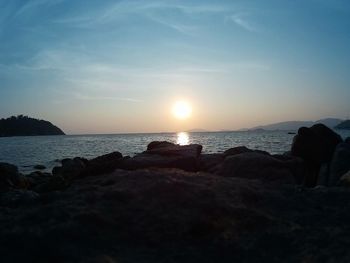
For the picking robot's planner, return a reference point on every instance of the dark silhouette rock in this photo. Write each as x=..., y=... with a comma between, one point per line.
x=71, y=168
x=344, y=180
x=26, y=126
x=266, y=168
x=211, y=162
x=170, y=149
x=54, y=183
x=166, y=155
x=315, y=145
x=39, y=167
x=17, y=198
x=103, y=164
x=10, y=177
x=241, y=149
x=340, y=163
x=170, y=215
x=145, y=160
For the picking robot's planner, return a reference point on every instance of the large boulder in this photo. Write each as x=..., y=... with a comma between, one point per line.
x=70, y=168
x=340, y=163
x=166, y=155
x=344, y=180
x=315, y=145
x=241, y=149
x=145, y=160
x=263, y=167
x=211, y=162
x=103, y=164
x=170, y=149
x=10, y=177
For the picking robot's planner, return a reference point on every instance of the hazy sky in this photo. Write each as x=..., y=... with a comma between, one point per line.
x=119, y=66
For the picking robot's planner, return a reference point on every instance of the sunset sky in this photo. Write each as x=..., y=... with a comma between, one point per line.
x=120, y=66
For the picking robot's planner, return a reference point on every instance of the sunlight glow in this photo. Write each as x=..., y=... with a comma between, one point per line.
x=183, y=138
x=182, y=110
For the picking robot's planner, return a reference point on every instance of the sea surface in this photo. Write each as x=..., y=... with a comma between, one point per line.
x=25, y=152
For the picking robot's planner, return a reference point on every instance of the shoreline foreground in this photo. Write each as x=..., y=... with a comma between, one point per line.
x=173, y=203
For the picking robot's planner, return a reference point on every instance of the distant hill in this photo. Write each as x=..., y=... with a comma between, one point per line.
x=25, y=126
x=294, y=125
x=345, y=125
x=197, y=130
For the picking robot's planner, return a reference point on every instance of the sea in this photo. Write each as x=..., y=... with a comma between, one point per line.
x=26, y=152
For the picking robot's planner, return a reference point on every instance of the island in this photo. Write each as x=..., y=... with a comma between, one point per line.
x=345, y=125
x=25, y=126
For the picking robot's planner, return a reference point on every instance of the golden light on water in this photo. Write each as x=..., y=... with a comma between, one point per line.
x=183, y=138
x=182, y=110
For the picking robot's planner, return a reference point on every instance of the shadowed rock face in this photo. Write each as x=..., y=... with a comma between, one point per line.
x=168, y=215
x=315, y=145
x=259, y=166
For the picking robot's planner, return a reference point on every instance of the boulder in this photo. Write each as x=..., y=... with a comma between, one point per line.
x=344, y=180
x=145, y=160
x=18, y=197
x=315, y=146
x=241, y=149
x=170, y=149
x=210, y=162
x=259, y=166
x=340, y=163
x=70, y=168
x=37, y=178
x=323, y=175
x=54, y=183
x=10, y=177
x=103, y=164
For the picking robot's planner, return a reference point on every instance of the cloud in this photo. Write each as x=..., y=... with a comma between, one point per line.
x=240, y=20
x=36, y=4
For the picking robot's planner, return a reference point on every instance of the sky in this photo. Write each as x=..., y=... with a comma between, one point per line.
x=105, y=66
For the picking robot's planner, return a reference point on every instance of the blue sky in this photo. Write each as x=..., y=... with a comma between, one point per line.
x=118, y=66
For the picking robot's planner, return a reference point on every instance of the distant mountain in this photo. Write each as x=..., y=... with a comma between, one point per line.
x=197, y=130
x=345, y=125
x=26, y=126
x=295, y=125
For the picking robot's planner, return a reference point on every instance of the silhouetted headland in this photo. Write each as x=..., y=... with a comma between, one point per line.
x=25, y=126
x=173, y=203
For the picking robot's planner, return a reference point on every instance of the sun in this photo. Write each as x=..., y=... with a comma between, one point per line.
x=182, y=110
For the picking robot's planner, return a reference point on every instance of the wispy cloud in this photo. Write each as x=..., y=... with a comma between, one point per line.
x=36, y=4
x=241, y=20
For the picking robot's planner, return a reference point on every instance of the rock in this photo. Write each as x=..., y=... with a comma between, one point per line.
x=159, y=144
x=18, y=197
x=169, y=215
x=340, y=163
x=145, y=160
x=323, y=175
x=165, y=155
x=210, y=162
x=347, y=140
x=70, y=168
x=344, y=180
x=103, y=164
x=54, y=183
x=170, y=149
x=315, y=145
x=241, y=149
x=36, y=178
x=39, y=167
x=9, y=177
x=252, y=165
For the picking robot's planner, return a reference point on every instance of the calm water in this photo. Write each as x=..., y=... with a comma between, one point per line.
x=28, y=151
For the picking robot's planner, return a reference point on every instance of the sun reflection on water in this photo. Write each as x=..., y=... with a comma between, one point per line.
x=183, y=138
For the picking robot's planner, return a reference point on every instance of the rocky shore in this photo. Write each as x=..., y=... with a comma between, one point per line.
x=173, y=203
